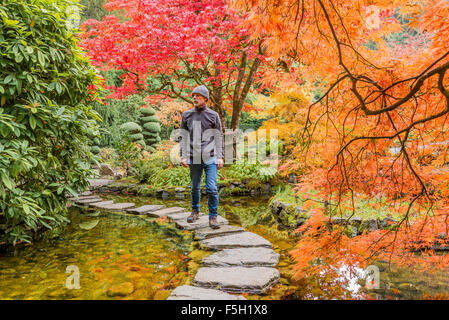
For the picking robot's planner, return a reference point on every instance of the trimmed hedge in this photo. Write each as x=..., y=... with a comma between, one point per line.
x=131, y=127
x=152, y=127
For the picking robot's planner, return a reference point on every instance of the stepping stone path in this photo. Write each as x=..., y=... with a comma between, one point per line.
x=145, y=209
x=207, y=233
x=247, y=257
x=196, y=293
x=244, y=261
x=202, y=222
x=237, y=279
x=238, y=240
x=165, y=212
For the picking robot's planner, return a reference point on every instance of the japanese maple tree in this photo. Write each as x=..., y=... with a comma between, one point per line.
x=181, y=44
x=379, y=125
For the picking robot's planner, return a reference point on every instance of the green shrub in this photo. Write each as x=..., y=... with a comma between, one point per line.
x=95, y=149
x=131, y=127
x=45, y=117
x=243, y=169
x=171, y=177
x=152, y=127
x=136, y=137
x=147, y=111
x=153, y=118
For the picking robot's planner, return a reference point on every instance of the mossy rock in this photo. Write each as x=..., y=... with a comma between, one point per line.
x=152, y=127
x=148, y=111
x=253, y=184
x=153, y=118
x=131, y=127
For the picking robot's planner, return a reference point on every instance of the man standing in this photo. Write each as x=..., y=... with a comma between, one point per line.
x=202, y=148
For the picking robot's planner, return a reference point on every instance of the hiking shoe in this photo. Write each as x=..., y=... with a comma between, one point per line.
x=213, y=223
x=193, y=216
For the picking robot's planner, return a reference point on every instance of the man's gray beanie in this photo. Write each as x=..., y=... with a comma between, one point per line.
x=202, y=90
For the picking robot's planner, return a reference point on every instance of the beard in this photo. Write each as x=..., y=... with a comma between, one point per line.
x=198, y=104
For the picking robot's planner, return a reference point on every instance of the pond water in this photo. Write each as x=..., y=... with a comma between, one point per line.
x=122, y=256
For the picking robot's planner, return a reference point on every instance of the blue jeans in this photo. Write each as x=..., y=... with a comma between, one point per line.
x=196, y=173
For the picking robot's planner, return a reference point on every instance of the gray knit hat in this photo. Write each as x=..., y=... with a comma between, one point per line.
x=202, y=90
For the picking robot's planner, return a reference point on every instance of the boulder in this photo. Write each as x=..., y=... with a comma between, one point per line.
x=106, y=170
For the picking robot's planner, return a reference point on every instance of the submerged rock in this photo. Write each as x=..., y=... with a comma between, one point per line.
x=120, y=290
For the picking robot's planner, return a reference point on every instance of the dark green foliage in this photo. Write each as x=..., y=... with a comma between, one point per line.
x=136, y=136
x=153, y=118
x=45, y=118
x=151, y=124
x=95, y=150
x=115, y=113
x=131, y=127
x=148, y=112
x=93, y=9
x=152, y=127
x=150, y=135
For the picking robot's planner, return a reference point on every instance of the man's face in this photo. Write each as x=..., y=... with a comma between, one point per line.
x=199, y=100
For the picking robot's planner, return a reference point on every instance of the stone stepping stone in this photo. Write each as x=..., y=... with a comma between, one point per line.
x=181, y=215
x=165, y=212
x=116, y=206
x=80, y=197
x=237, y=279
x=88, y=201
x=195, y=293
x=238, y=240
x=96, y=204
x=244, y=257
x=207, y=233
x=146, y=208
x=202, y=222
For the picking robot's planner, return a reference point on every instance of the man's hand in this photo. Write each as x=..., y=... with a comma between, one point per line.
x=184, y=163
x=220, y=163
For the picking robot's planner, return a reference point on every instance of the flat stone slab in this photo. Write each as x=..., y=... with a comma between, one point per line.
x=207, y=233
x=116, y=206
x=244, y=257
x=165, y=212
x=181, y=215
x=96, y=204
x=237, y=279
x=238, y=240
x=202, y=222
x=80, y=197
x=146, y=208
x=195, y=293
x=87, y=201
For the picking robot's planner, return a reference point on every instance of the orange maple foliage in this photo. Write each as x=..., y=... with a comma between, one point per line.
x=377, y=122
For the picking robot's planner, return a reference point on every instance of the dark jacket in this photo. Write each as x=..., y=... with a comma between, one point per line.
x=209, y=119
